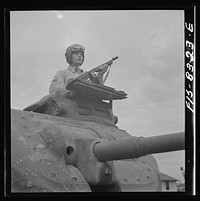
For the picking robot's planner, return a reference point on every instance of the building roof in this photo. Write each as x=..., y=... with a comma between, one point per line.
x=165, y=177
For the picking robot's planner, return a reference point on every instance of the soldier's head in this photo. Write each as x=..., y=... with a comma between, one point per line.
x=74, y=54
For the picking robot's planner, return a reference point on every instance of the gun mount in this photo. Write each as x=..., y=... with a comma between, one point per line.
x=61, y=144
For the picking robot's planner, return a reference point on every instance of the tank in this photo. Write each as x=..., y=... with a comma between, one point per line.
x=72, y=144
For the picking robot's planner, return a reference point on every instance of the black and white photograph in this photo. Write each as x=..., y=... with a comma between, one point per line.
x=99, y=100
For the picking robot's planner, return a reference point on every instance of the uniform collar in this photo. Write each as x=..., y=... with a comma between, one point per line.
x=74, y=69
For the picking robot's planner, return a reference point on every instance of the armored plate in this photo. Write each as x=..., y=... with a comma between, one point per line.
x=38, y=149
x=37, y=162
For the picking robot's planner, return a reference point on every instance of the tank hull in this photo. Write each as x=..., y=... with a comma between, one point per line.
x=38, y=163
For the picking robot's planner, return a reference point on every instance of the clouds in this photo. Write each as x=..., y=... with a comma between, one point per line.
x=161, y=68
x=155, y=82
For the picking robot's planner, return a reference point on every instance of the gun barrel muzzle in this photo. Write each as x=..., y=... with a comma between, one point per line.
x=114, y=58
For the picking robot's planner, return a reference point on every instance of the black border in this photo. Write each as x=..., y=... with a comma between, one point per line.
x=189, y=17
x=189, y=116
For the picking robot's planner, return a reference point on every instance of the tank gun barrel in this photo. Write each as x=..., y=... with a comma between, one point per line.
x=135, y=147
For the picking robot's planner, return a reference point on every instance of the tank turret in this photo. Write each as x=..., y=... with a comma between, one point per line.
x=61, y=144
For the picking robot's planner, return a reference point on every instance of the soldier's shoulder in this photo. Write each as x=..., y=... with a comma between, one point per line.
x=62, y=71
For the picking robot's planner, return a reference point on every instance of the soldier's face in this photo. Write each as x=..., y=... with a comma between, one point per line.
x=77, y=58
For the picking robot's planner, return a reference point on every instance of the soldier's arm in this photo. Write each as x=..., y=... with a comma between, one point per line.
x=58, y=84
x=100, y=75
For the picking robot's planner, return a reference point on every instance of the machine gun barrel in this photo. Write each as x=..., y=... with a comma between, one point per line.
x=135, y=147
x=103, y=65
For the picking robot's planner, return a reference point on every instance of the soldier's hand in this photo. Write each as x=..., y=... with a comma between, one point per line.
x=92, y=75
x=69, y=94
x=103, y=71
x=94, y=78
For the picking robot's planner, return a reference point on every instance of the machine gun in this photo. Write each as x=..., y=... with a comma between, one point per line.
x=87, y=75
x=82, y=86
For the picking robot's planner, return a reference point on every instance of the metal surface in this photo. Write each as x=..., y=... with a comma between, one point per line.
x=135, y=147
x=55, y=154
x=73, y=145
x=37, y=156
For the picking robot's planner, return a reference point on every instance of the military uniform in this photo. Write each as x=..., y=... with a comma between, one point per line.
x=62, y=78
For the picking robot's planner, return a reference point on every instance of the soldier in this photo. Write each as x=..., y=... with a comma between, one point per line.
x=74, y=56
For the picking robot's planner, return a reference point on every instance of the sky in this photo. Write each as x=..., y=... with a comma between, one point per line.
x=150, y=67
